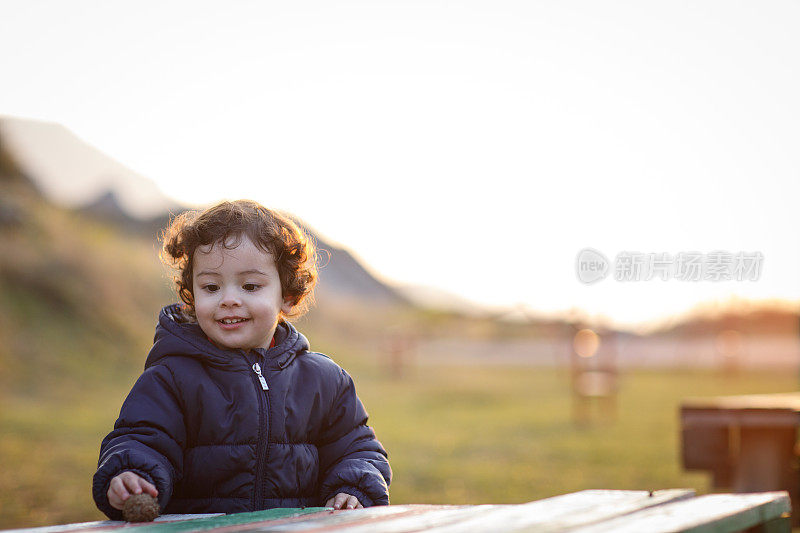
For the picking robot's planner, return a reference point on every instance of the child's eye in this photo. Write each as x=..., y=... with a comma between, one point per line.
x=211, y=287
x=250, y=287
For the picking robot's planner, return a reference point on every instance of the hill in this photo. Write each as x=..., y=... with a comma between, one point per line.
x=70, y=172
x=67, y=169
x=75, y=295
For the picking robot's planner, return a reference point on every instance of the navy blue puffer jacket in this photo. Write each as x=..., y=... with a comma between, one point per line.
x=200, y=424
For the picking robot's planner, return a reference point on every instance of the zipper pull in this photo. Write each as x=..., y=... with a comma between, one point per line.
x=257, y=370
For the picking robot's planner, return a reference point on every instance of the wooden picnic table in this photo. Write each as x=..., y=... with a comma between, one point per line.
x=747, y=442
x=588, y=511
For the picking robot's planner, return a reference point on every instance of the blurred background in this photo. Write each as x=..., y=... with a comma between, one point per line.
x=453, y=159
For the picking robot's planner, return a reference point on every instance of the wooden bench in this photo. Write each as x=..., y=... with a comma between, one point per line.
x=585, y=512
x=746, y=442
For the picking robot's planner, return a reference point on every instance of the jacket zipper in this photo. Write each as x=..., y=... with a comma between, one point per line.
x=263, y=436
x=257, y=370
x=266, y=435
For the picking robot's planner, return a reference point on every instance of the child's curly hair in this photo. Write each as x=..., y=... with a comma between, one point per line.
x=226, y=223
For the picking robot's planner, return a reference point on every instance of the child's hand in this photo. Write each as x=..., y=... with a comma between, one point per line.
x=344, y=501
x=125, y=484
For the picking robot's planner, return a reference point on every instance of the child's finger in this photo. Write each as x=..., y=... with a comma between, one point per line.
x=329, y=503
x=118, y=486
x=351, y=503
x=117, y=493
x=132, y=482
x=115, y=502
x=339, y=500
x=112, y=498
x=149, y=488
x=359, y=506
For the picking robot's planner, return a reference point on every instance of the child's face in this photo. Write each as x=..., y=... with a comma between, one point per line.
x=237, y=295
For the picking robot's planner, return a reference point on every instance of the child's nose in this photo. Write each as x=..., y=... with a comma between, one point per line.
x=230, y=298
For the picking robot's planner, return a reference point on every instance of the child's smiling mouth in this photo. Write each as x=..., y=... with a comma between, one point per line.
x=231, y=322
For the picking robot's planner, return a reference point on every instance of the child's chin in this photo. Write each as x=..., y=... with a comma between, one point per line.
x=225, y=346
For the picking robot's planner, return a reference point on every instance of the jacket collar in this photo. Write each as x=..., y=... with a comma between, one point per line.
x=176, y=334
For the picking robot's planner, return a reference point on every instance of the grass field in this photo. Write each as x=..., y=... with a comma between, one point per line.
x=454, y=435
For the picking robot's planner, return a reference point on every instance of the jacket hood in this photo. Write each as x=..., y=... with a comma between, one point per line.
x=176, y=335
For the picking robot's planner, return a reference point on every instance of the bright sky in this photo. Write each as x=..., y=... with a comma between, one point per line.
x=470, y=146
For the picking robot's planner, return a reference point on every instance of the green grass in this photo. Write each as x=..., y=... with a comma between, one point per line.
x=505, y=435
x=48, y=453
x=454, y=435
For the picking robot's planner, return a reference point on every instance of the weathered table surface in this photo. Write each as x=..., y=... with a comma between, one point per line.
x=586, y=511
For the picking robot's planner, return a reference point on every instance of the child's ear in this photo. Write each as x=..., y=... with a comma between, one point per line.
x=288, y=305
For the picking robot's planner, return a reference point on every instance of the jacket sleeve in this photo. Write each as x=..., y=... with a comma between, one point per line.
x=148, y=439
x=351, y=458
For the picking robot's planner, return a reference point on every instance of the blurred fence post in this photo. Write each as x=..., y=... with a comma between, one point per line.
x=593, y=368
x=399, y=346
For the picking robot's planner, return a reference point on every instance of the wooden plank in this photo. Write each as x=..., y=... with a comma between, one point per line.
x=310, y=519
x=553, y=514
x=337, y=520
x=273, y=518
x=412, y=518
x=105, y=524
x=705, y=447
x=72, y=528
x=712, y=513
x=215, y=522
x=561, y=513
x=720, y=417
x=787, y=400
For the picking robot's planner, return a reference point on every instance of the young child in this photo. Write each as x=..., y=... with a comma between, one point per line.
x=233, y=412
